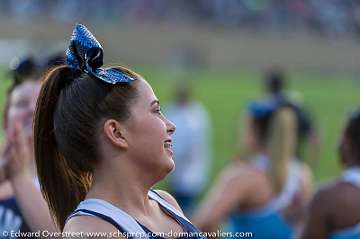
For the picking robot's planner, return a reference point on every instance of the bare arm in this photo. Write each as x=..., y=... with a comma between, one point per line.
x=224, y=197
x=32, y=205
x=316, y=221
x=19, y=171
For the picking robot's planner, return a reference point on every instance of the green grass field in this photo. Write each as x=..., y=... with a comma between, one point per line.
x=225, y=94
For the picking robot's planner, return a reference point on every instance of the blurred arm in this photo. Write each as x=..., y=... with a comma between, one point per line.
x=20, y=172
x=223, y=199
x=316, y=226
x=32, y=204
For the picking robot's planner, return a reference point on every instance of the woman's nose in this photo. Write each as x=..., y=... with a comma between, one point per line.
x=170, y=127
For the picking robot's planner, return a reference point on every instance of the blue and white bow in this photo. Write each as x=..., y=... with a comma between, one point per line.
x=85, y=53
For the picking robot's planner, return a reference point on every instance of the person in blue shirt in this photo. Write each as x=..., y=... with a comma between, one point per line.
x=308, y=136
x=334, y=211
x=101, y=144
x=265, y=194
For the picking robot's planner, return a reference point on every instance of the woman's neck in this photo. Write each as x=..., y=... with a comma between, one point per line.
x=124, y=187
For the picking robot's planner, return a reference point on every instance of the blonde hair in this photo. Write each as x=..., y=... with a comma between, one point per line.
x=281, y=145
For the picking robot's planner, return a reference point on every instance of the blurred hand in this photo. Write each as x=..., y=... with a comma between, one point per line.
x=18, y=154
x=5, y=158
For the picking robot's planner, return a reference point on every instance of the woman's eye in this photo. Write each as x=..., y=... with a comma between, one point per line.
x=158, y=111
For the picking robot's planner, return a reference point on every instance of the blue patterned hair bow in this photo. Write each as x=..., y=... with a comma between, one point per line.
x=86, y=54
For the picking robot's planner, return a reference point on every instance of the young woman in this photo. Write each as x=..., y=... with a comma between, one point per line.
x=334, y=211
x=22, y=209
x=101, y=143
x=264, y=195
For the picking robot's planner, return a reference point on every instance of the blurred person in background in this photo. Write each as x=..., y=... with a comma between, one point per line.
x=265, y=195
x=22, y=208
x=192, y=148
x=53, y=60
x=334, y=211
x=275, y=85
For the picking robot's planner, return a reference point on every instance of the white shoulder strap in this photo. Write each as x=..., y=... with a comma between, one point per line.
x=153, y=195
x=352, y=176
x=290, y=189
x=101, y=207
x=261, y=162
x=124, y=220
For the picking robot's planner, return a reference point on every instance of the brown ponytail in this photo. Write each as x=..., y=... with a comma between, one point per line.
x=69, y=108
x=281, y=145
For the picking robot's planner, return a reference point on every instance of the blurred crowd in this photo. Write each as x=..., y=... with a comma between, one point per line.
x=325, y=17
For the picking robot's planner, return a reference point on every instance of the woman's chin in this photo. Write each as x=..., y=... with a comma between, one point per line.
x=168, y=168
x=170, y=164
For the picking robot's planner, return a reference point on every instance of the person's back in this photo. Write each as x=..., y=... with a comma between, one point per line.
x=264, y=195
x=342, y=201
x=334, y=212
x=265, y=212
x=276, y=93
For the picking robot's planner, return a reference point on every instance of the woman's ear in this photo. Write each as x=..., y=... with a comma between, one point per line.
x=114, y=132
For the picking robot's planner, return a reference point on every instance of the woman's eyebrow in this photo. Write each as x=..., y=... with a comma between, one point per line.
x=155, y=102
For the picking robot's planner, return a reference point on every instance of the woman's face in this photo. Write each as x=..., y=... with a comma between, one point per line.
x=149, y=132
x=22, y=103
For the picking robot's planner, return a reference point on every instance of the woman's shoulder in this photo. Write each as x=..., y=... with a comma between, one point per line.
x=330, y=194
x=240, y=169
x=89, y=226
x=305, y=173
x=239, y=173
x=169, y=199
x=337, y=191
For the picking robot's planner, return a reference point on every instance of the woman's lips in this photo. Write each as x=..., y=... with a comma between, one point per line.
x=168, y=146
